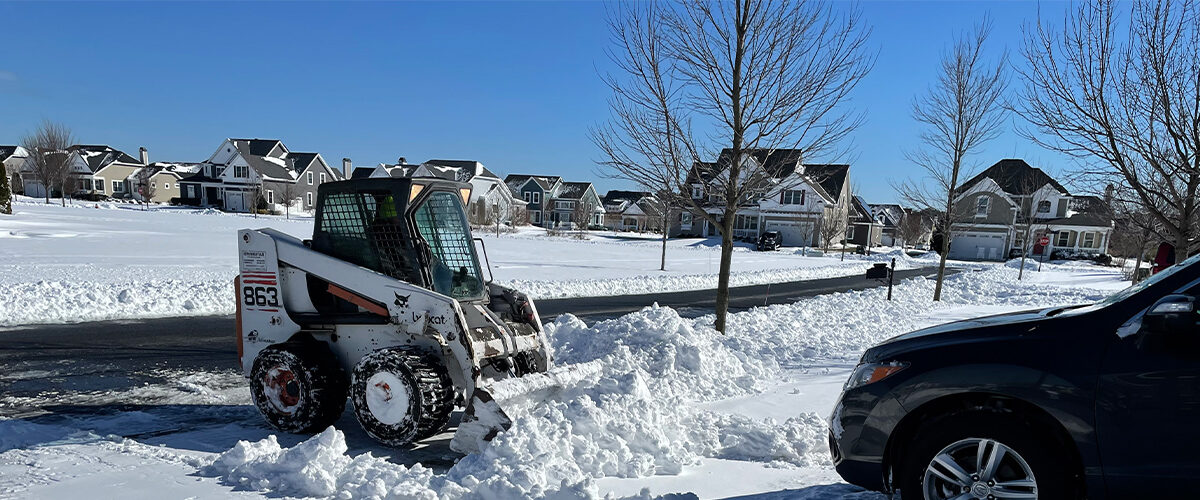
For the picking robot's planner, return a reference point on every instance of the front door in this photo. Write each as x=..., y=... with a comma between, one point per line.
x=1148, y=413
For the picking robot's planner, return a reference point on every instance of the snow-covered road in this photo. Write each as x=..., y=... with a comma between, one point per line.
x=675, y=407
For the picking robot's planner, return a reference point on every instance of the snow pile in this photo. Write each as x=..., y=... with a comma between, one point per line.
x=73, y=301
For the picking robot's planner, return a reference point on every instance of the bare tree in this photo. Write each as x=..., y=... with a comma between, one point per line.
x=48, y=158
x=753, y=76
x=834, y=226
x=144, y=184
x=1125, y=101
x=582, y=215
x=960, y=111
x=1027, y=219
x=290, y=192
x=912, y=227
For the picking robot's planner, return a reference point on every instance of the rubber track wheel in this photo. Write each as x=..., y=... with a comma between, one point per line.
x=322, y=386
x=426, y=380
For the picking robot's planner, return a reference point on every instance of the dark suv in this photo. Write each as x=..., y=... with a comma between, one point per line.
x=1101, y=401
x=769, y=241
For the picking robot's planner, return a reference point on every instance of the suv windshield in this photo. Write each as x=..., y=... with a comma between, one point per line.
x=454, y=266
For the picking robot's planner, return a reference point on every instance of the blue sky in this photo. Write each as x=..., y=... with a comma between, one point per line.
x=514, y=85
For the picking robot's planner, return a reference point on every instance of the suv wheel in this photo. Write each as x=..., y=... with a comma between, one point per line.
x=982, y=456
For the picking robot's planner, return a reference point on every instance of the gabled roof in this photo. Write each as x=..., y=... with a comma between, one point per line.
x=259, y=147
x=99, y=156
x=777, y=163
x=573, y=190
x=703, y=172
x=255, y=152
x=178, y=169
x=301, y=161
x=361, y=172
x=7, y=152
x=1015, y=177
x=546, y=182
x=890, y=213
x=473, y=167
x=862, y=211
x=831, y=177
x=616, y=196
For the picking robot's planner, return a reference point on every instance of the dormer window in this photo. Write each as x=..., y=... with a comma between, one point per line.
x=697, y=192
x=1043, y=207
x=982, y=204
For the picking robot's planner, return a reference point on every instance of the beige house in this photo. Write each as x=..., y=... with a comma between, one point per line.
x=164, y=180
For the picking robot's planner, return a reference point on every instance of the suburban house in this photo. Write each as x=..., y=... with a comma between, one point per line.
x=865, y=229
x=889, y=216
x=245, y=172
x=489, y=194
x=798, y=200
x=552, y=202
x=164, y=179
x=994, y=210
x=632, y=211
x=91, y=170
x=13, y=158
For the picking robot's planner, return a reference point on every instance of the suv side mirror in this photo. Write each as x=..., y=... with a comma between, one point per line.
x=1171, y=314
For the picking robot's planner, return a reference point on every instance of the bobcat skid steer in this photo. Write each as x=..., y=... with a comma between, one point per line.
x=386, y=306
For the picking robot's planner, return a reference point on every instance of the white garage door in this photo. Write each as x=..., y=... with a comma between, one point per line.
x=35, y=189
x=234, y=201
x=977, y=246
x=794, y=234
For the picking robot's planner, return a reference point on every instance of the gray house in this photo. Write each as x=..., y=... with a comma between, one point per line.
x=994, y=210
x=551, y=202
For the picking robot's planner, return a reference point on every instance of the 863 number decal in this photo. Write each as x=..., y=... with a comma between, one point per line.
x=266, y=296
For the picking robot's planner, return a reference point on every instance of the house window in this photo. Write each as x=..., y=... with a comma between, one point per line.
x=166, y=185
x=697, y=192
x=564, y=205
x=99, y=184
x=1089, y=240
x=270, y=197
x=310, y=178
x=1063, y=238
x=1043, y=207
x=191, y=191
x=850, y=232
x=792, y=197
x=981, y=206
x=241, y=172
x=117, y=186
x=685, y=220
x=537, y=216
x=527, y=196
x=308, y=197
x=537, y=198
x=322, y=177
x=746, y=222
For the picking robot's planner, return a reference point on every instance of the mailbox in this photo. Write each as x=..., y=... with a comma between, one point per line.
x=878, y=272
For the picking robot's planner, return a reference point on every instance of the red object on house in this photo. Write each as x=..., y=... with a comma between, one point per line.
x=1164, y=258
x=1044, y=240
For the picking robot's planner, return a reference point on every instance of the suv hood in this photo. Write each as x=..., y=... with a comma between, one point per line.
x=957, y=331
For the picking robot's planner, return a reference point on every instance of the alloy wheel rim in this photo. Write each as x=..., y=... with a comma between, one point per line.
x=978, y=468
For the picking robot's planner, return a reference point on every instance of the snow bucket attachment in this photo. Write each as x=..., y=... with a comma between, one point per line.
x=481, y=421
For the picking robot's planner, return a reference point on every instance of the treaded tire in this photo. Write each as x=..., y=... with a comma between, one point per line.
x=298, y=387
x=418, y=377
x=1042, y=453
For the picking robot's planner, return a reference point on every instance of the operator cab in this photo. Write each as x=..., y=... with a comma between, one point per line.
x=414, y=230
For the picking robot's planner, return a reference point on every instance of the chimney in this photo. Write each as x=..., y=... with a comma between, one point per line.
x=145, y=156
x=346, y=168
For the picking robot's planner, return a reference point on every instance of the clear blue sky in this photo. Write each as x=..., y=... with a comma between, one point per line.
x=514, y=85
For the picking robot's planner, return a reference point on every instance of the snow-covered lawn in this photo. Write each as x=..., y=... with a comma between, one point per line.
x=654, y=404
x=97, y=261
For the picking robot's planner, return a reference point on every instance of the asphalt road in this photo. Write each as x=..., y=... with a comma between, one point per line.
x=42, y=360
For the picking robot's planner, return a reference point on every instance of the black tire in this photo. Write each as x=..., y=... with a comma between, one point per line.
x=1044, y=455
x=298, y=387
x=421, y=379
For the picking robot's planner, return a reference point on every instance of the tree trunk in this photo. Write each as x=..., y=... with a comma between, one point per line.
x=723, y=277
x=937, y=289
x=665, y=218
x=1137, y=266
x=1021, y=273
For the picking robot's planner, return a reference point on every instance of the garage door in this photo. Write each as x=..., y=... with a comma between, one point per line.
x=977, y=246
x=794, y=234
x=35, y=189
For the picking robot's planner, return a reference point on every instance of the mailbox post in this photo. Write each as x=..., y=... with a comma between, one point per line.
x=883, y=272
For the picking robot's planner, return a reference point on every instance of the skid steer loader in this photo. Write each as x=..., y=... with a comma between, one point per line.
x=386, y=306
